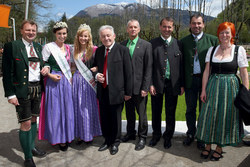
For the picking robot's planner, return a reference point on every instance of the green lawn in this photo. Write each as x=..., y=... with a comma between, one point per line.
x=180, y=110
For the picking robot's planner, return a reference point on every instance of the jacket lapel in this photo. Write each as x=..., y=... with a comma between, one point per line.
x=137, y=47
x=23, y=52
x=38, y=53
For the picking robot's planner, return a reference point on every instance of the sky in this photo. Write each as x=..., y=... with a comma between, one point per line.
x=71, y=7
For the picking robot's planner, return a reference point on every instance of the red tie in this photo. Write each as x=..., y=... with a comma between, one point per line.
x=32, y=54
x=105, y=68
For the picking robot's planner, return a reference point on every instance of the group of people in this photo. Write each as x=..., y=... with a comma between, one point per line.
x=80, y=92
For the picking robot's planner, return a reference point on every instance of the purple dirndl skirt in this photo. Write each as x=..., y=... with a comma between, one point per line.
x=59, y=111
x=87, y=121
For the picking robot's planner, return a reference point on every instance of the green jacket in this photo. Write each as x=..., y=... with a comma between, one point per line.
x=16, y=68
x=188, y=46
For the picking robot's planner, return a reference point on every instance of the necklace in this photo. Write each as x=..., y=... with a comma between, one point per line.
x=223, y=49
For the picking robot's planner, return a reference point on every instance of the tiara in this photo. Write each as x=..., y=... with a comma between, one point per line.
x=84, y=26
x=60, y=24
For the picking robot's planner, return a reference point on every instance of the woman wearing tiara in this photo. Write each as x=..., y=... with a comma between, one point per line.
x=87, y=122
x=59, y=111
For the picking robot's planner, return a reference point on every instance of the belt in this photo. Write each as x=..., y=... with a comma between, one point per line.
x=34, y=83
x=197, y=75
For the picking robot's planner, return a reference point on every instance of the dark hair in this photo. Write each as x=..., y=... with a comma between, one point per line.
x=196, y=15
x=59, y=28
x=167, y=19
x=28, y=21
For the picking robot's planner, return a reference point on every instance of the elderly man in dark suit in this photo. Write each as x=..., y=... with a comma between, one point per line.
x=141, y=55
x=167, y=78
x=114, y=76
x=22, y=81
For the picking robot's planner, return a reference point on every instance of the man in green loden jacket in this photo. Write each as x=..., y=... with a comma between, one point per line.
x=195, y=47
x=22, y=81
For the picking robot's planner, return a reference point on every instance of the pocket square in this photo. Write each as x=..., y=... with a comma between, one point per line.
x=18, y=59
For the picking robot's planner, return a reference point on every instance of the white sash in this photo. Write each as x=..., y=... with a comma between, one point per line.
x=61, y=60
x=86, y=73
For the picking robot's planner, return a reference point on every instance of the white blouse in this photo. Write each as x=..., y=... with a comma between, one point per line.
x=242, y=56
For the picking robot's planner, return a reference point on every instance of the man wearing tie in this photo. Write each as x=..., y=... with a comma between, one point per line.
x=141, y=55
x=22, y=81
x=195, y=48
x=167, y=78
x=114, y=76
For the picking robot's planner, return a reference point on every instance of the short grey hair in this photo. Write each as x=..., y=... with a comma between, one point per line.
x=133, y=20
x=106, y=27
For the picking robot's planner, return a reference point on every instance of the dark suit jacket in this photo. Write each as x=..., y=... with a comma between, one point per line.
x=119, y=72
x=142, y=65
x=16, y=68
x=174, y=55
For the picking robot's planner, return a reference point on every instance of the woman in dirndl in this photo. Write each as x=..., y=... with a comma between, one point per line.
x=59, y=111
x=87, y=121
x=219, y=122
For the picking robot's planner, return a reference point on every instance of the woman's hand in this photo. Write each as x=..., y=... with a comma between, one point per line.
x=203, y=96
x=94, y=69
x=54, y=77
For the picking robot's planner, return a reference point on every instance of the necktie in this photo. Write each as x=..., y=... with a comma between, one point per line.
x=166, y=41
x=105, y=68
x=32, y=54
x=196, y=50
x=131, y=48
x=167, y=72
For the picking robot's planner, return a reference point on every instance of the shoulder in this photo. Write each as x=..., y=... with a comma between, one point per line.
x=144, y=42
x=37, y=45
x=155, y=40
x=119, y=46
x=186, y=38
x=124, y=42
x=210, y=36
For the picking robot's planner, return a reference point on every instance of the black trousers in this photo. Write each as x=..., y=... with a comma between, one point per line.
x=170, y=108
x=110, y=119
x=140, y=104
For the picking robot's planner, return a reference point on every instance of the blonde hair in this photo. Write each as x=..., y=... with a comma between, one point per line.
x=77, y=45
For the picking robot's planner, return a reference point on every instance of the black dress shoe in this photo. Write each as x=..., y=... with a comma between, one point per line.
x=38, y=153
x=200, y=145
x=128, y=137
x=141, y=144
x=29, y=163
x=64, y=147
x=188, y=140
x=79, y=142
x=153, y=142
x=167, y=143
x=114, y=149
x=103, y=147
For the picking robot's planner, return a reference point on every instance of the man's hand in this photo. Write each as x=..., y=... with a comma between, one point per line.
x=182, y=90
x=100, y=77
x=126, y=98
x=152, y=90
x=144, y=93
x=14, y=101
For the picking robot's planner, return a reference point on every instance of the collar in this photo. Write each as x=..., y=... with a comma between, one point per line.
x=110, y=47
x=169, y=38
x=134, y=40
x=26, y=43
x=198, y=36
